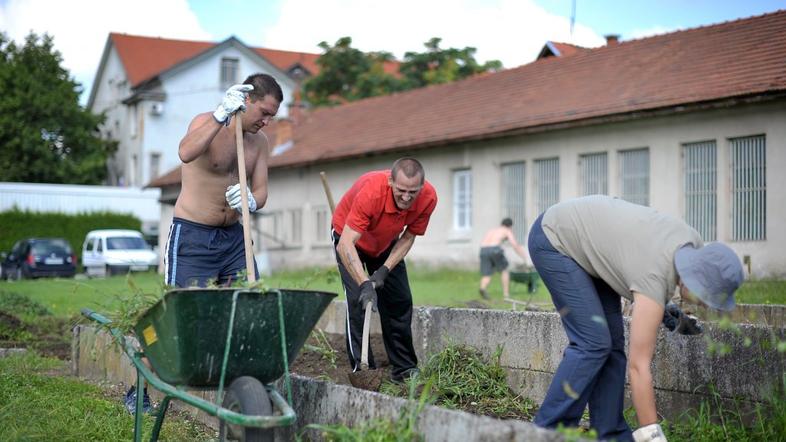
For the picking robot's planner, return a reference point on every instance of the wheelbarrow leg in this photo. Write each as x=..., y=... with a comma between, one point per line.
x=160, y=419
x=140, y=388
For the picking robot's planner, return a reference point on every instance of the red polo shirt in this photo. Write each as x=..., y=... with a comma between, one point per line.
x=368, y=207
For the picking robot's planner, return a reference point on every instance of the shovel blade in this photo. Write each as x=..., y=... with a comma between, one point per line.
x=366, y=379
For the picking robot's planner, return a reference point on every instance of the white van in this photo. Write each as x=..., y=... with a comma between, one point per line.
x=114, y=251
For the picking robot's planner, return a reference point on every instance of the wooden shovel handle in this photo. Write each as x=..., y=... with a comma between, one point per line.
x=241, y=171
x=328, y=193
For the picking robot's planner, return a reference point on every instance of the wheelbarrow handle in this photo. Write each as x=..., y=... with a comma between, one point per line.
x=99, y=318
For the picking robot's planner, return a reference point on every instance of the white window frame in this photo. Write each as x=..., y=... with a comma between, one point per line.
x=635, y=180
x=547, y=183
x=229, y=71
x=594, y=173
x=700, y=187
x=514, y=197
x=462, y=200
x=748, y=174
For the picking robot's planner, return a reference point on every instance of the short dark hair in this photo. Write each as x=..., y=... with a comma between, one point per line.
x=507, y=222
x=410, y=166
x=264, y=84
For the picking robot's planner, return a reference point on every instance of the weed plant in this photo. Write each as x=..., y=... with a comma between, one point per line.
x=323, y=348
x=462, y=379
x=403, y=429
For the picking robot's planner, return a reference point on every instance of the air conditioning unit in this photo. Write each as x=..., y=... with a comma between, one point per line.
x=157, y=109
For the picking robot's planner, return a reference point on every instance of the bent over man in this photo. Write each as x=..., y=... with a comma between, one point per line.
x=206, y=240
x=589, y=252
x=374, y=227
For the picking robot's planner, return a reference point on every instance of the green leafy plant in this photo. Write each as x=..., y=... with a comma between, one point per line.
x=323, y=347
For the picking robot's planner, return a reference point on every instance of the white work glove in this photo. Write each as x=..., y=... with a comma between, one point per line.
x=649, y=433
x=234, y=198
x=234, y=100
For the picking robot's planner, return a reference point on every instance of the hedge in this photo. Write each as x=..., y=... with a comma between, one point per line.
x=16, y=224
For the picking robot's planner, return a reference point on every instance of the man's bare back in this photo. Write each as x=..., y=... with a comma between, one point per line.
x=496, y=236
x=206, y=178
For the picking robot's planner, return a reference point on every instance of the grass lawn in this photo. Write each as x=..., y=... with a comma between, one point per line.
x=36, y=403
x=444, y=287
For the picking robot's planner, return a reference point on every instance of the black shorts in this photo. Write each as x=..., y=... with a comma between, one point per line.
x=492, y=259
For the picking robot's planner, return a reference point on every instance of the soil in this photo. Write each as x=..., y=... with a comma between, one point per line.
x=314, y=364
x=50, y=335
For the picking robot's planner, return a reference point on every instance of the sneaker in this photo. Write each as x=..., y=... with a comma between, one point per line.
x=130, y=401
x=484, y=293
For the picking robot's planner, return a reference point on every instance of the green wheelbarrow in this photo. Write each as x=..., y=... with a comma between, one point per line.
x=202, y=339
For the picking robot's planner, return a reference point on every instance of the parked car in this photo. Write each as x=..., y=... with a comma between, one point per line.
x=114, y=251
x=39, y=257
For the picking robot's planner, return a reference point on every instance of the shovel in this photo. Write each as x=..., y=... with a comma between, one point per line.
x=365, y=378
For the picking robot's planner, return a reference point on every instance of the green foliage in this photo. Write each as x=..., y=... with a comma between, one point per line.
x=437, y=65
x=348, y=74
x=45, y=135
x=17, y=224
x=322, y=347
x=35, y=405
x=20, y=305
x=461, y=378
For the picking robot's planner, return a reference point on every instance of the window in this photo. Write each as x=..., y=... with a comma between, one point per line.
x=748, y=188
x=547, y=182
x=514, y=197
x=462, y=200
x=594, y=174
x=322, y=224
x=155, y=165
x=295, y=226
x=229, y=72
x=700, y=187
x=635, y=176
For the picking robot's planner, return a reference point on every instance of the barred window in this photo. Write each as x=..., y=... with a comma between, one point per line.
x=295, y=226
x=514, y=197
x=547, y=182
x=594, y=174
x=748, y=188
x=700, y=187
x=230, y=68
x=462, y=199
x=635, y=176
x=321, y=224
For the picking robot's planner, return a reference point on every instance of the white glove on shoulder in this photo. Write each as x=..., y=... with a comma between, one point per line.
x=649, y=433
x=234, y=100
x=234, y=198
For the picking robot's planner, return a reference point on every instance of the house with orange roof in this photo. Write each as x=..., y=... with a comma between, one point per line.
x=151, y=88
x=692, y=123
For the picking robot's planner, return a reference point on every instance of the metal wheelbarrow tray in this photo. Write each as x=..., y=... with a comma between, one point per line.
x=206, y=338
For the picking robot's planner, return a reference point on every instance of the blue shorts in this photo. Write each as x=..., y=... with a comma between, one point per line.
x=200, y=255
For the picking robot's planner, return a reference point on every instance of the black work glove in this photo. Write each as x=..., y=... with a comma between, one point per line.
x=368, y=294
x=378, y=278
x=675, y=319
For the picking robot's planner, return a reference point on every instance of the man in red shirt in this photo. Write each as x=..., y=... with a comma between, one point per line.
x=374, y=227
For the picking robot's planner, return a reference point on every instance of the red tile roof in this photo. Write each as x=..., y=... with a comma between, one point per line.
x=566, y=49
x=146, y=57
x=733, y=59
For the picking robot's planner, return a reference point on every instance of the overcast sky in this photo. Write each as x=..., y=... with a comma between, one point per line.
x=512, y=31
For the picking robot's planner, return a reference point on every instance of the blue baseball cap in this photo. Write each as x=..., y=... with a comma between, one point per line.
x=712, y=273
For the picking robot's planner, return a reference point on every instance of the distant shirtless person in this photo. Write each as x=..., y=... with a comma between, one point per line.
x=492, y=257
x=206, y=240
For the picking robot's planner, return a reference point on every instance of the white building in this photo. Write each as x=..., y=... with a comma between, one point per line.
x=151, y=88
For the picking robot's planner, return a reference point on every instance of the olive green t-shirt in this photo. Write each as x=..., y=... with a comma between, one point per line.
x=630, y=247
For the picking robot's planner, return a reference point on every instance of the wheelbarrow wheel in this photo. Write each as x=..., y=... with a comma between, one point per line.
x=248, y=396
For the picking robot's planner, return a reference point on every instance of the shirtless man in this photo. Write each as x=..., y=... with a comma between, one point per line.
x=206, y=240
x=492, y=257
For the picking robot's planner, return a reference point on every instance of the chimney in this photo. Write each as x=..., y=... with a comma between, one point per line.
x=612, y=39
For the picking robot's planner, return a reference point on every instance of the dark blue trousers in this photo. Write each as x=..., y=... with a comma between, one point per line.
x=592, y=370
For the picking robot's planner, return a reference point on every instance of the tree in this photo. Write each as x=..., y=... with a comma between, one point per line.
x=348, y=74
x=45, y=135
x=436, y=66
